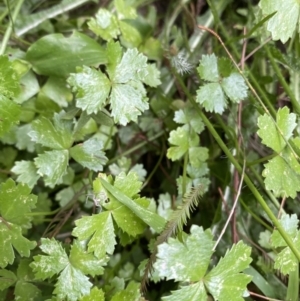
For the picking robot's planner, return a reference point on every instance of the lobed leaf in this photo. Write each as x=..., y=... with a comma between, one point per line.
x=92, y=88
x=197, y=248
x=105, y=25
x=193, y=292
x=225, y=282
x=286, y=20
x=99, y=229
x=26, y=171
x=9, y=79
x=11, y=237
x=16, y=202
x=52, y=166
x=9, y=114
x=183, y=139
x=89, y=154
x=274, y=136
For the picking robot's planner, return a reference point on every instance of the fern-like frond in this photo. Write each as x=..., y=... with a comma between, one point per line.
x=178, y=218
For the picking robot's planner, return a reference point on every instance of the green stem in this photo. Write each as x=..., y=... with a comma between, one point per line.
x=283, y=82
x=10, y=26
x=232, y=159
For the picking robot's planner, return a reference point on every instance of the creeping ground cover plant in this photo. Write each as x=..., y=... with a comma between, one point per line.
x=149, y=150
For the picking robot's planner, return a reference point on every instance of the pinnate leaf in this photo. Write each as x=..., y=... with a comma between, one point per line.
x=283, y=24
x=89, y=154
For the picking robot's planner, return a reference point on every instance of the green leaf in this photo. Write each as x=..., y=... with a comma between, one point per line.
x=71, y=283
x=56, y=55
x=47, y=266
x=208, y=68
x=225, y=282
x=105, y=25
x=148, y=217
x=16, y=202
x=197, y=248
x=9, y=114
x=223, y=84
x=99, y=229
x=85, y=261
x=26, y=171
x=7, y=279
x=25, y=291
x=189, y=116
x=152, y=78
x=23, y=140
x=211, y=96
x=9, y=79
x=282, y=174
x=89, y=154
x=132, y=293
x=198, y=155
x=128, y=96
x=286, y=261
x=11, y=237
x=235, y=87
x=183, y=139
x=193, y=292
x=92, y=88
x=56, y=90
x=95, y=294
x=56, y=136
x=124, y=10
x=29, y=87
x=128, y=184
x=52, y=166
x=284, y=23
x=273, y=136
x=128, y=101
